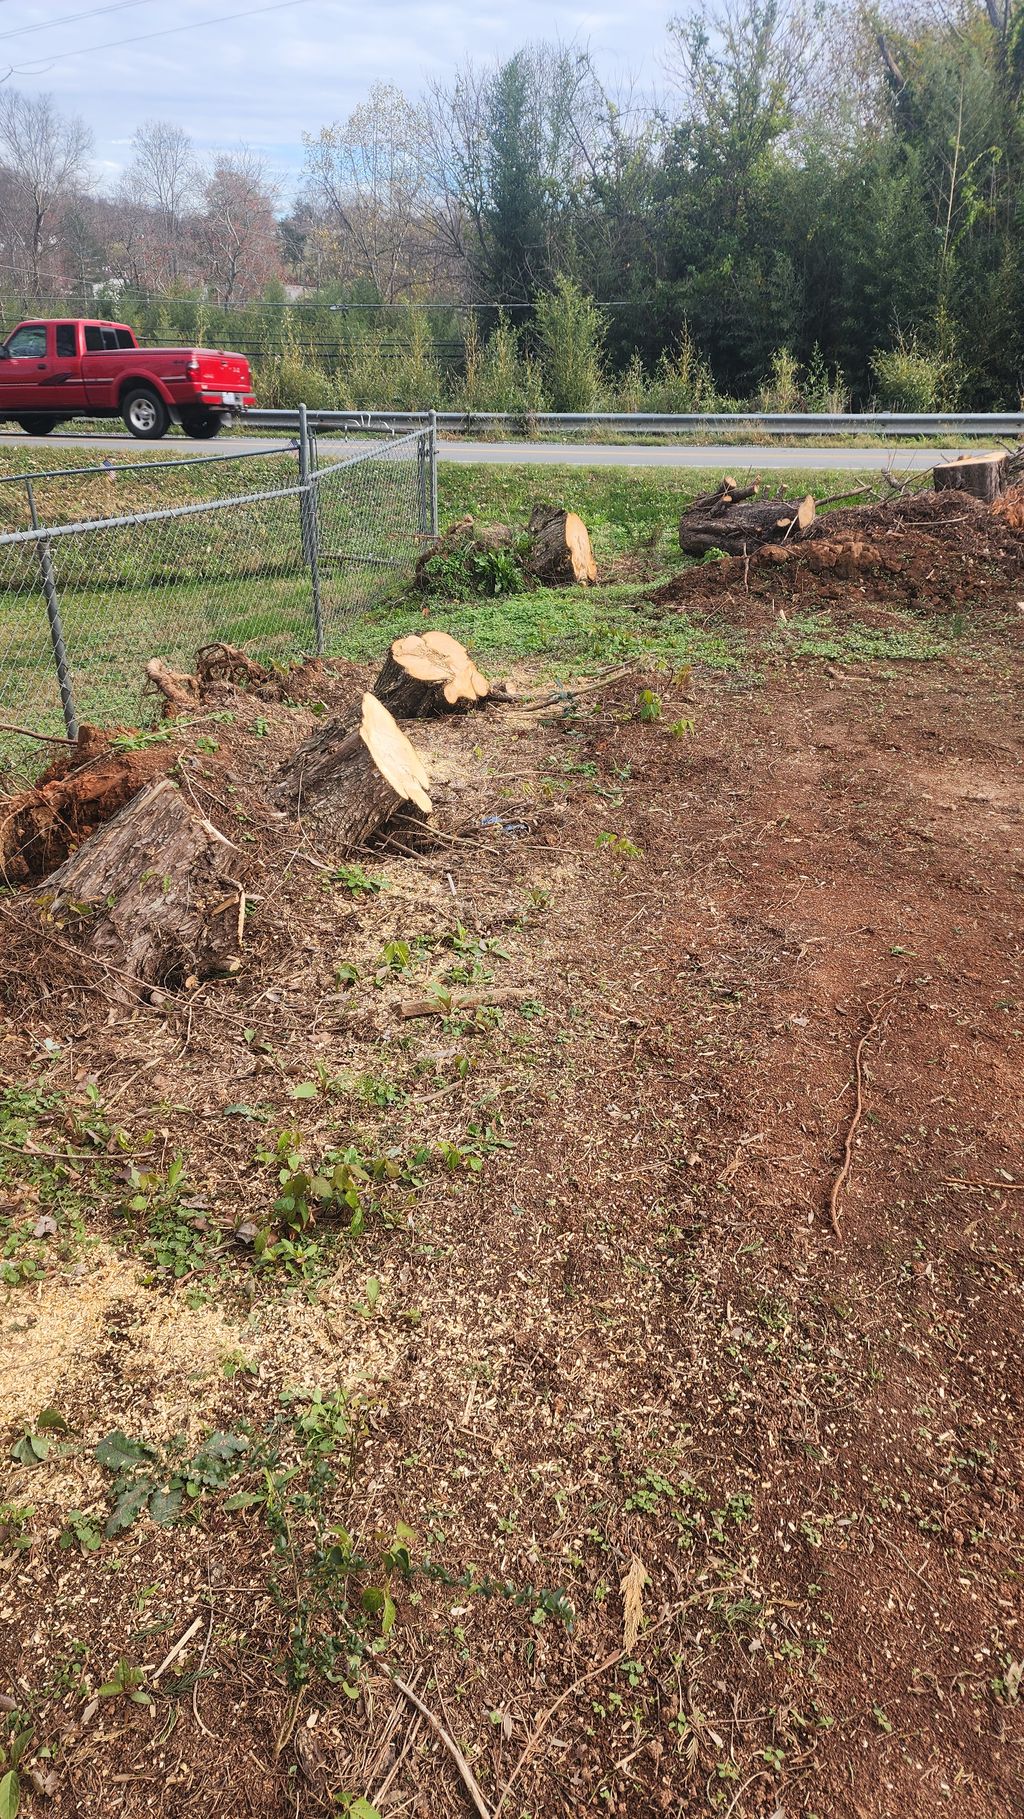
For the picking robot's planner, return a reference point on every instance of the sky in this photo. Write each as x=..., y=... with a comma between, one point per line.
x=285, y=69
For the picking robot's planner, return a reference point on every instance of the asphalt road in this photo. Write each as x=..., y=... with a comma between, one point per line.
x=534, y=454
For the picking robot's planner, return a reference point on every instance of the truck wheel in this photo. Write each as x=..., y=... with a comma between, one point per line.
x=201, y=423
x=145, y=414
x=37, y=426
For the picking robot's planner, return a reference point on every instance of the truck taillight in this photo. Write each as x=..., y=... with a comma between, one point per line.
x=192, y=366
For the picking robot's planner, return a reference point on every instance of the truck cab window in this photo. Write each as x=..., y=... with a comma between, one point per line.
x=125, y=338
x=93, y=338
x=29, y=342
x=109, y=341
x=66, y=344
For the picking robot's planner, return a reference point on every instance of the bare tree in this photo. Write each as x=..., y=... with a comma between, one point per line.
x=238, y=233
x=365, y=177
x=161, y=185
x=47, y=153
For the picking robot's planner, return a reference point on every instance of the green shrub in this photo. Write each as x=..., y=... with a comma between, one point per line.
x=911, y=377
x=570, y=335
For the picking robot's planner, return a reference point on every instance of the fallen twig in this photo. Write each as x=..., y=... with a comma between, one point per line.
x=561, y=696
x=470, y=1782
x=858, y=1111
x=444, y=1004
x=854, y=493
x=1005, y=1187
x=27, y=733
x=172, y=1654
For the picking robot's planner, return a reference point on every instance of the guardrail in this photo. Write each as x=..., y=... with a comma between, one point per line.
x=645, y=423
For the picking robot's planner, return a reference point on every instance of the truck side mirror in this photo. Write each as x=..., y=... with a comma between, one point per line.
x=5, y=352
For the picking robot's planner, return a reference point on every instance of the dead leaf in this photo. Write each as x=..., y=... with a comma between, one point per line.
x=632, y=1589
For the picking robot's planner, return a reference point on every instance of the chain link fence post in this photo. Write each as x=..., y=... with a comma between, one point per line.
x=433, y=473
x=60, y=655
x=309, y=519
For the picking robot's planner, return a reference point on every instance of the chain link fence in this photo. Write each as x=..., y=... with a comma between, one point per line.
x=282, y=571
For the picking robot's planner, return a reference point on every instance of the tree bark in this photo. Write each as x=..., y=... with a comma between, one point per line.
x=150, y=894
x=735, y=521
x=983, y=476
x=561, y=555
x=352, y=776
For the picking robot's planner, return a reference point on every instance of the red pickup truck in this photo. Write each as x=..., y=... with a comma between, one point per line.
x=50, y=371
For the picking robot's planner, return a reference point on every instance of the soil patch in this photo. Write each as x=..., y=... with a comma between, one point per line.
x=706, y=1507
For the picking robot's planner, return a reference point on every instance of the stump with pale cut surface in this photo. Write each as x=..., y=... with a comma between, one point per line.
x=561, y=555
x=983, y=476
x=734, y=520
x=353, y=775
x=151, y=895
x=424, y=676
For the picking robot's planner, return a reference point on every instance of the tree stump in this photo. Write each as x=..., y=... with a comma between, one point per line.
x=423, y=677
x=561, y=555
x=735, y=520
x=459, y=539
x=983, y=475
x=150, y=894
x=354, y=776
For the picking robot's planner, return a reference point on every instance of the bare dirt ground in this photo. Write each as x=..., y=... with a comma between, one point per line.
x=663, y=1490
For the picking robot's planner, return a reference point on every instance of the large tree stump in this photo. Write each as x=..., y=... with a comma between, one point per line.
x=354, y=776
x=460, y=539
x=734, y=520
x=983, y=475
x=424, y=676
x=561, y=555
x=150, y=894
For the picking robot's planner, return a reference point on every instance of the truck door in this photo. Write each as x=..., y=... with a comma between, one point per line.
x=61, y=384
x=21, y=372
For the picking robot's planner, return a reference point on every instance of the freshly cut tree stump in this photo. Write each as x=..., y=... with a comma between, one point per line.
x=354, y=777
x=561, y=554
x=733, y=519
x=430, y=675
x=150, y=894
x=983, y=476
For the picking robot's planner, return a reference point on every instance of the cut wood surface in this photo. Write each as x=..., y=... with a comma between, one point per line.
x=561, y=554
x=735, y=520
x=151, y=893
x=353, y=775
x=429, y=674
x=982, y=475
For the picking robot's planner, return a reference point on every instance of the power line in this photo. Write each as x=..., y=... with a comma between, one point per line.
x=111, y=44
x=47, y=25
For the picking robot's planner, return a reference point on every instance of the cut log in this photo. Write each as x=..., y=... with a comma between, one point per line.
x=150, y=895
x=429, y=675
x=561, y=555
x=735, y=521
x=353, y=776
x=983, y=476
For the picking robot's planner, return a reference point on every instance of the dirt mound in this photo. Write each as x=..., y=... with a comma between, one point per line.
x=925, y=551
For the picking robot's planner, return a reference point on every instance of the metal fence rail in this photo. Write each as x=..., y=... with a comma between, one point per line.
x=283, y=571
x=647, y=423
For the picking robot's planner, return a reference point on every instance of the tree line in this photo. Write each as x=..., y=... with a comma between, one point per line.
x=820, y=205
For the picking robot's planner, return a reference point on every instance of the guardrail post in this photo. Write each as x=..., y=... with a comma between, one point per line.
x=308, y=519
x=60, y=655
x=433, y=473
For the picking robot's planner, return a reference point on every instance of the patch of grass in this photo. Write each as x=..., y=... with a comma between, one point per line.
x=571, y=628
x=817, y=636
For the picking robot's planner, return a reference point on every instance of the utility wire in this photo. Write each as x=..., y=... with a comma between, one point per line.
x=111, y=44
x=47, y=25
